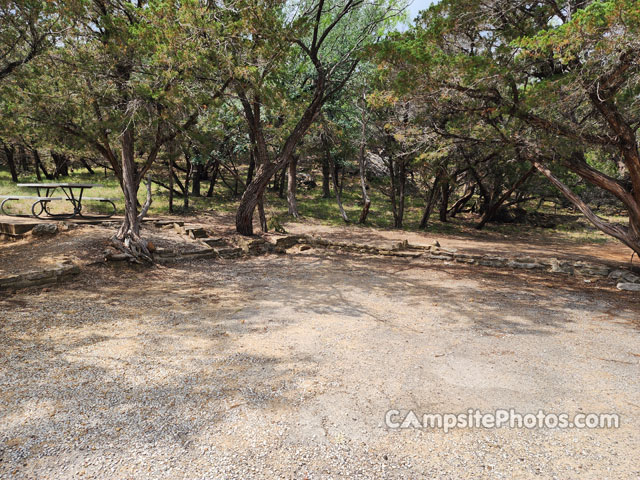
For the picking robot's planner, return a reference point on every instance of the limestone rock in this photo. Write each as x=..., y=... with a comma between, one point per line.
x=524, y=265
x=196, y=232
x=558, y=266
x=284, y=243
x=376, y=166
x=229, y=252
x=630, y=287
x=255, y=246
x=45, y=229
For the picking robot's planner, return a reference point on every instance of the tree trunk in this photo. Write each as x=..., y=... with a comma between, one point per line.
x=249, y=201
x=128, y=239
x=401, y=181
x=86, y=165
x=252, y=168
x=366, y=201
x=9, y=153
x=37, y=161
x=336, y=189
x=171, y=175
x=61, y=162
x=445, y=190
x=333, y=168
x=266, y=168
x=291, y=186
x=628, y=236
x=326, y=178
x=261, y=215
x=281, y=184
x=24, y=164
x=490, y=213
x=198, y=169
x=213, y=178
x=394, y=190
x=431, y=201
x=459, y=205
x=187, y=178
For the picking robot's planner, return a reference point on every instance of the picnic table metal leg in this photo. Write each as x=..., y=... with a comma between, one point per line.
x=3, y=211
x=34, y=210
x=76, y=202
x=108, y=215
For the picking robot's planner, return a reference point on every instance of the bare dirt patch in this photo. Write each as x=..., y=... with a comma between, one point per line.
x=284, y=367
x=82, y=244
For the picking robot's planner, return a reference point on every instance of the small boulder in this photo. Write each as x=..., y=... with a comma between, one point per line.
x=630, y=287
x=45, y=229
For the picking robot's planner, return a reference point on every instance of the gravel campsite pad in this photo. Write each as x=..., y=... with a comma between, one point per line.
x=284, y=367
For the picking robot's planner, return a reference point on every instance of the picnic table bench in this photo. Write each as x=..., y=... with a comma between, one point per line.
x=74, y=193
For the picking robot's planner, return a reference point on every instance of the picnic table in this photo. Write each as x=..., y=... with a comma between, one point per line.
x=73, y=193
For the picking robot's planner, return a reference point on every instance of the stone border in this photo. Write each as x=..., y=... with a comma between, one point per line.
x=253, y=246
x=47, y=276
x=625, y=279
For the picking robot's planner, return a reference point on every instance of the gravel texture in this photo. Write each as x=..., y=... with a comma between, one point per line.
x=284, y=367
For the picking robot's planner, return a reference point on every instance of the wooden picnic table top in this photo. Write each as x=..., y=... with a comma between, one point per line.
x=62, y=185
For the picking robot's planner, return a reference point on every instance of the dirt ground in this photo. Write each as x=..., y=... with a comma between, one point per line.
x=284, y=366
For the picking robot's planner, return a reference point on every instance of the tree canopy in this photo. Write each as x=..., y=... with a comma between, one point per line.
x=481, y=106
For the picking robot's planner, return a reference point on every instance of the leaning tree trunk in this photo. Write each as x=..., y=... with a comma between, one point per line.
x=431, y=201
x=40, y=165
x=86, y=165
x=630, y=236
x=266, y=168
x=128, y=239
x=291, y=187
x=462, y=201
x=251, y=197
